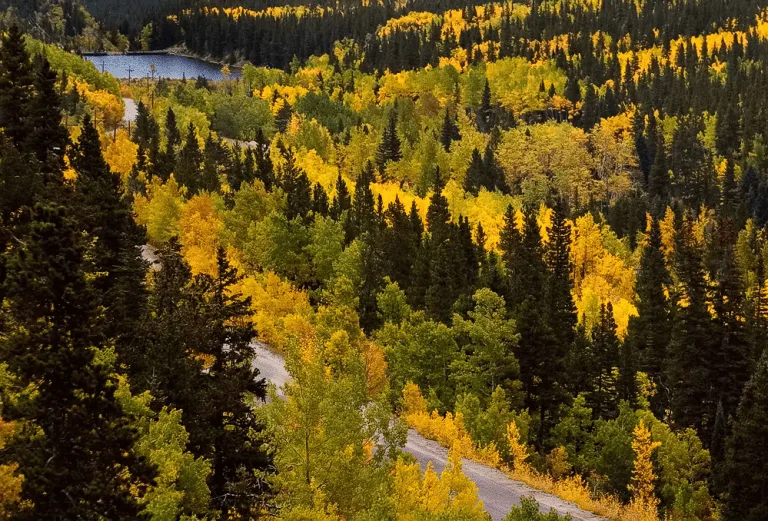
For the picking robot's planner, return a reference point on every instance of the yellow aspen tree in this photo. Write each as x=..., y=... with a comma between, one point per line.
x=518, y=450
x=413, y=401
x=643, y=478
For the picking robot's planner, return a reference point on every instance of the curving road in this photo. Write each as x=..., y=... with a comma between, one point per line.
x=498, y=492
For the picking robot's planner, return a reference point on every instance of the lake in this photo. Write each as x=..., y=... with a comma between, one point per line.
x=166, y=66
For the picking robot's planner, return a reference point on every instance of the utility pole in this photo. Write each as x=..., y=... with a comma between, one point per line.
x=102, y=66
x=130, y=70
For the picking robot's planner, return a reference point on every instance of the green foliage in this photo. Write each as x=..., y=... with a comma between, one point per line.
x=240, y=117
x=180, y=488
x=74, y=66
x=529, y=511
x=487, y=341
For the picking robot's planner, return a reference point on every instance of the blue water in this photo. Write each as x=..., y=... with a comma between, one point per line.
x=166, y=66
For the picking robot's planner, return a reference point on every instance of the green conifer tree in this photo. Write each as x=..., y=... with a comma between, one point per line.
x=189, y=164
x=605, y=351
x=650, y=331
x=74, y=449
x=746, y=467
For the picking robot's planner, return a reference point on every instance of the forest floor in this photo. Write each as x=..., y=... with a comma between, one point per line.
x=498, y=492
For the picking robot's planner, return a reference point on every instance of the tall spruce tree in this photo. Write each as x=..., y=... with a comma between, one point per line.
x=189, y=163
x=650, y=331
x=562, y=310
x=297, y=187
x=342, y=201
x=449, y=132
x=114, y=257
x=48, y=139
x=16, y=86
x=605, y=357
x=389, y=147
x=263, y=162
x=474, y=177
x=172, y=143
x=542, y=372
x=694, y=346
x=746, y=466
x=362, y=216
x=225, y=432
x=510, y=244
x=732, y=366
x=74, y=446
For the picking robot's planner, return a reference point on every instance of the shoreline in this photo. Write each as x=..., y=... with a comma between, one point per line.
x=172, y=51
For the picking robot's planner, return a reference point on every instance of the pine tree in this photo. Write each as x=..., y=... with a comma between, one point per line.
x=562, y=310
x=658, y=177
x=372, y=275
x=319, y=200
x=215, y=159
x=605, y=350
x=296, y=185
x=389, y=147
x=438, y=215
x=264, y=168
x=449, y=132
x=161, y=363
x=734, y=352
x=146, y=132
x=644, y=156
x=494, y=173
x=473, y=179
x=16, y=87
x=188, y=166
x=342, y=201
x=746, y=465
x=485, y=117
x=172, y=143
x=399, y=246
x=114, y=257
x=363, y=210
x=75, y=453
x=572, y=89
x=48, y=139
x=694, y=345
x=650, y=332
x=626, y=383
x=510, y=244
x=729, y=192
x=541, y=361
x=590, y=114
x=283, y=117
x=225, y=433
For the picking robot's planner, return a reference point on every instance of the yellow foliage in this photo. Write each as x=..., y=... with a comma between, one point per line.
x=643, y=478
x=667, y=228
x=270, y=12
x=552, y=157
x=317, y=169
x=375, y=368
x=200, y=228
x=120, y=154
x=600, y=276
x=160, y=210
x=414, y=20
x=107, y=108
x=449, y=430
x=10, y=489
x=451, y=492
x=518, y=450
x=272, y=300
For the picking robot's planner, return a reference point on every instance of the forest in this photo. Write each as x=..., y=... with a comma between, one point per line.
x=532, y=232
